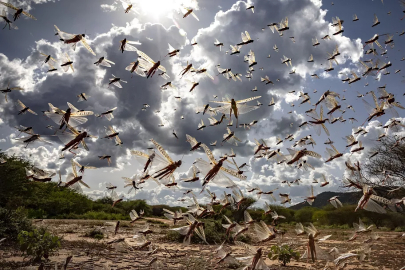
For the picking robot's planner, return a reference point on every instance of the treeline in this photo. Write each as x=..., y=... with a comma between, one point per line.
x=47, y=200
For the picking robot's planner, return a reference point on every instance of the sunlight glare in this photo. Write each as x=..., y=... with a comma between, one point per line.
x=165, y=8
x=158, y=8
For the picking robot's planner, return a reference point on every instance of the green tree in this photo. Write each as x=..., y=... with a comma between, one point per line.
x=304, y=214
x=38, y=243
x=238, y=214
x=12, y=222
x=13, y=182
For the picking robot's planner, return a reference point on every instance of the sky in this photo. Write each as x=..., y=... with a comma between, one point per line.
x=158, y=23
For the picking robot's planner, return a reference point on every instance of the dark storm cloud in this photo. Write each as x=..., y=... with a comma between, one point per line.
x=226, y=28
x=60, y=88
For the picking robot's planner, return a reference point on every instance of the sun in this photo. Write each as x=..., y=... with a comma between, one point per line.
x=158, y=8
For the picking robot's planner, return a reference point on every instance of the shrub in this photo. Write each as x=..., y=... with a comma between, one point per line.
x=12, y=222
x=214, y=233
x=38, y=243
x=36, y=213
x=95, y=233
x=304, y=215
x=103, y=216
x=137, y=205
x=245, y=238
x=282, y=211
x=154, y=221
x=392, y=220
x=400, y=229
x=283, y=253
x=157, y=210
x=238, y=214
x=256, y=214
x=174, y=236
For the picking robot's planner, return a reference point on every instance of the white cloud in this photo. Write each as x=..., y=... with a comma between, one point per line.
x=108, y=8
x=307, y=20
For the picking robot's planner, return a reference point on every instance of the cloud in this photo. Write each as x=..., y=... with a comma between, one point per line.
x=137, y=127
x=108, y=8
x=27, y=4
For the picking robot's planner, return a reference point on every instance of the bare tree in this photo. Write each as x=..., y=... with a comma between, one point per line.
x=387, y=167
x=384, y=170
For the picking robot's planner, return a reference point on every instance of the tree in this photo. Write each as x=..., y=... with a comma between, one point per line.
x=13, y=181
x=238, y=214
x=388, y=166
x=385, y=171
x=305, y=214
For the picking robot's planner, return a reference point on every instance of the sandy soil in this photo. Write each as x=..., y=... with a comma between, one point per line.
x=88, y=253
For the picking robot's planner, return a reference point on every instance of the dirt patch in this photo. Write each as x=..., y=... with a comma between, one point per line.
x=89, y=253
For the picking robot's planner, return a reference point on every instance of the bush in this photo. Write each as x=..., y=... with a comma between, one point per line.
x=282, y=211
x=214, y=233
x=245, y=238
x=153, y=221
x=137, y=205
x=12, y=222
x=38, y=243
x=256, y=213
x=95, y=233
x=238, y=214
x=36, y=213
x=400, y=229
x=174, y=236
x=304, y=215
x=283, y=253
x=103, y=216
x=157, y=210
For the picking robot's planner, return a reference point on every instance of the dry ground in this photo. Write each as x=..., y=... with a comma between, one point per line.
x=88, y=253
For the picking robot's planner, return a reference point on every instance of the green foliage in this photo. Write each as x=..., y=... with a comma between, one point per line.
x=238, y=213
x=173, y=236
x=256, y=213
x=214, y=232
x=12, y=222
x=245, y=238
x=103, y=216
x=283, y=253
x=138, y=205
x=153, y=221
x=157, y=210
x=38, y=243
x=400, y=229
x=304, y=215
x=164, y=225
x=47, y=200
x=282, y=211
x=393, y=220
x=95, y=233
x=13, y=182
x=337, y=216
